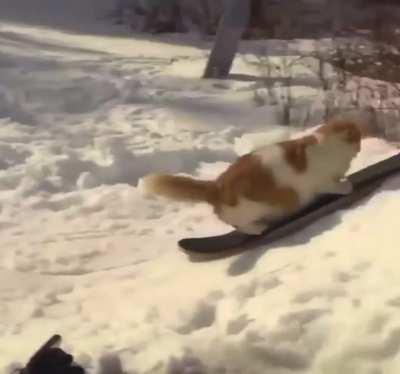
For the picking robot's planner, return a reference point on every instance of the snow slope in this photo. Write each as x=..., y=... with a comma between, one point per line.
x=83, y=254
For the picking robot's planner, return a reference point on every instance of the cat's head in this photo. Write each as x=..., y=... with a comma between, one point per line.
x=345, y=131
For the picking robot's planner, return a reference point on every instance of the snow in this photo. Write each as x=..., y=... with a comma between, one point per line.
x=85, y=112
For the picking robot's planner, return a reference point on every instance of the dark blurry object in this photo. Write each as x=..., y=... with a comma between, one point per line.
x=163, y=16
x=230, y=31
x=119, y=13
x=257, y=25
x=50, y=359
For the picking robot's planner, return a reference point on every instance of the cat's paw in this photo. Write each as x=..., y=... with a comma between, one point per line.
x=254, y=228
x=344, y=187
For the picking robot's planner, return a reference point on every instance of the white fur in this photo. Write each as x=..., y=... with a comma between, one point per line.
x=325, y=161
x=246, y=214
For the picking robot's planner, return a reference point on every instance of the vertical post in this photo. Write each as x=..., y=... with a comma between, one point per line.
x=231, y=27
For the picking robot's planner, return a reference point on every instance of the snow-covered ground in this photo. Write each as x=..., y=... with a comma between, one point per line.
x=83, y=116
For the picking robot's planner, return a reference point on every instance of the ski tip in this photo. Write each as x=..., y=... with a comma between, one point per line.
x=212, y=244
x=199, y=245
x=200, y=253
x=184, y=243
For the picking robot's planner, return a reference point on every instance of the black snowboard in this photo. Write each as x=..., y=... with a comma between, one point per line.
x=364, y=182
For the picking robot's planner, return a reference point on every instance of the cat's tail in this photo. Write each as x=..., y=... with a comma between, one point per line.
x=180, y=188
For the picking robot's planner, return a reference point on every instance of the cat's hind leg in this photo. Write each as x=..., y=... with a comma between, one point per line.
x=250, y=217
x=253, y=228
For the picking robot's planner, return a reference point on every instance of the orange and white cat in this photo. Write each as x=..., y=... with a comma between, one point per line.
x=273, y=181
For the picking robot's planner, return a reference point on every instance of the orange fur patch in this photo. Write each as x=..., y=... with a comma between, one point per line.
x=181, y=188
x=349, y=128
x=248, y=178
x=295, y=152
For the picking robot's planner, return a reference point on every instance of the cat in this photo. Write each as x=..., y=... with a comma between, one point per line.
x=273, y=181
